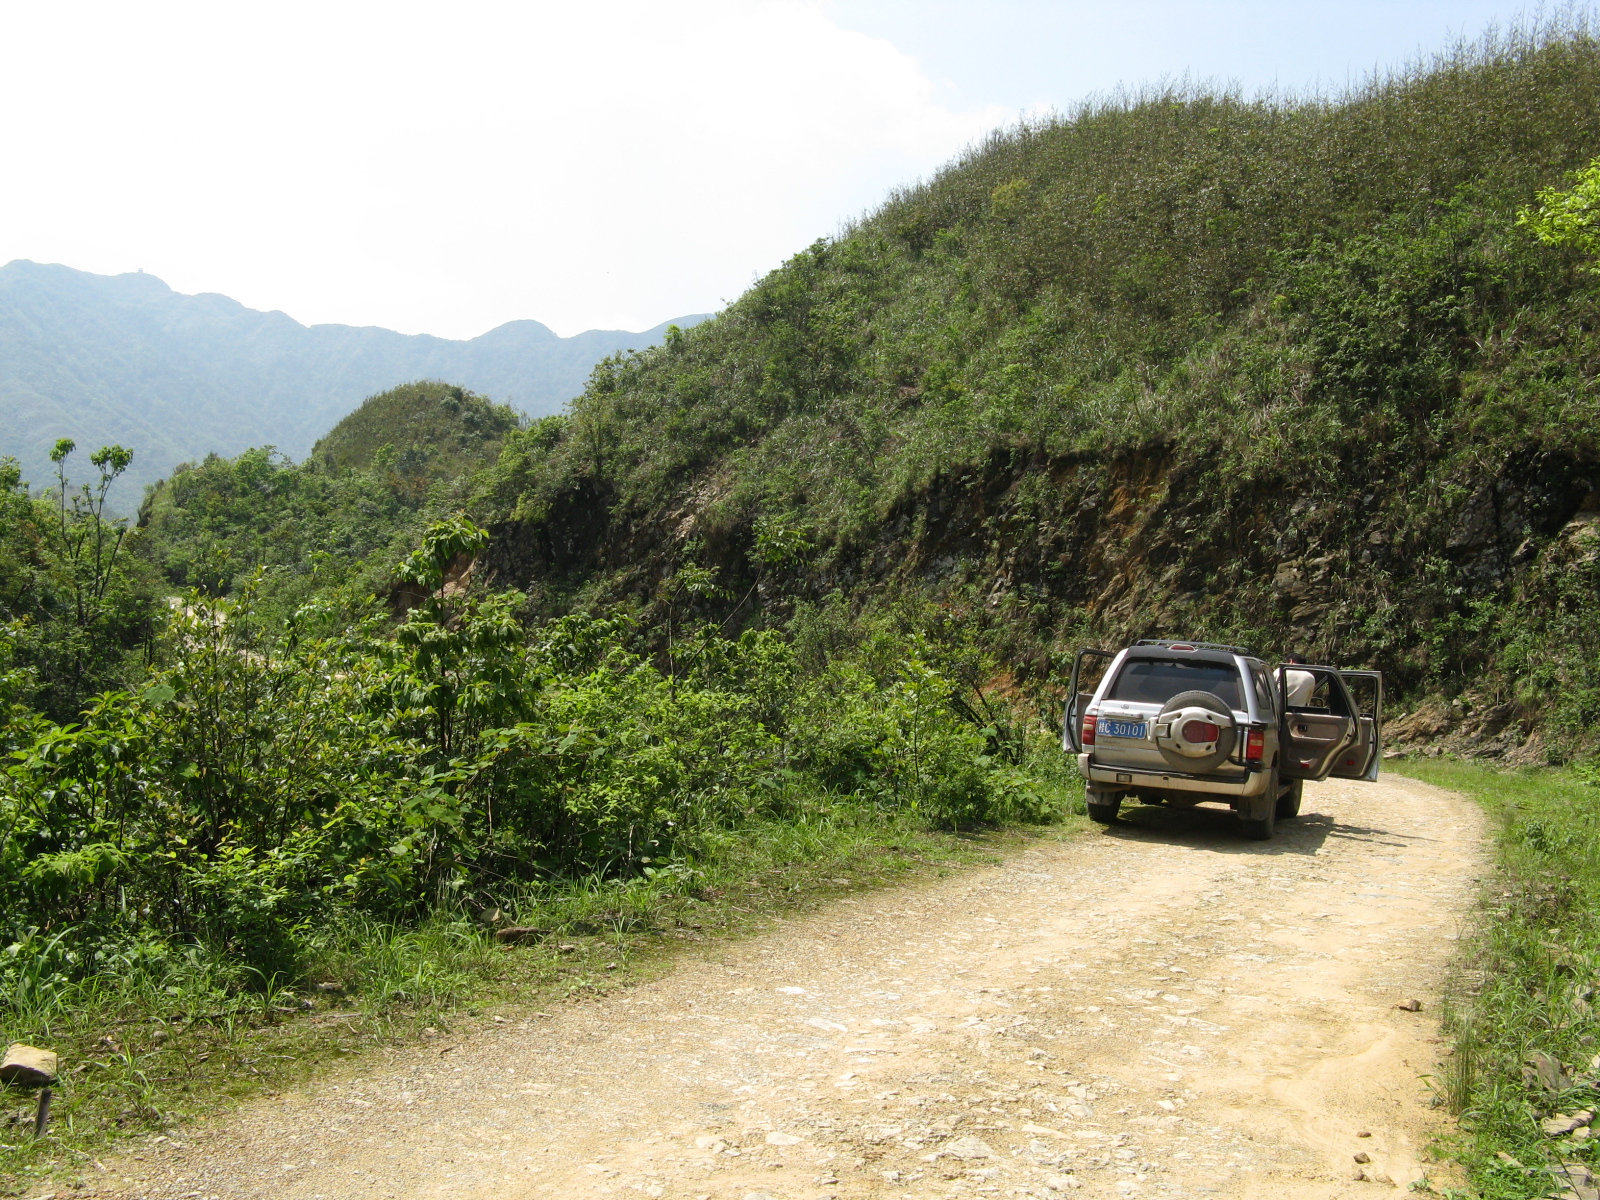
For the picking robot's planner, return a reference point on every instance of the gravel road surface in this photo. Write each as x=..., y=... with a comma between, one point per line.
x=1159, y=1009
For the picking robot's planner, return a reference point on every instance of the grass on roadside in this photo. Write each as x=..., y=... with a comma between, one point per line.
x=1521, y=1009
x=165, y=1040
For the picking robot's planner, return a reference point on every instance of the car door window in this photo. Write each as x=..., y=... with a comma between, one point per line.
x=1328, y=697
x=1364, y=690
x=1265, y=701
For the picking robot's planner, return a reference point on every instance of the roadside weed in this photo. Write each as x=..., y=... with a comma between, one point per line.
x=1521, y=1008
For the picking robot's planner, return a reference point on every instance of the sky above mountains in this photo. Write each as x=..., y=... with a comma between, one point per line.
x=447, y=168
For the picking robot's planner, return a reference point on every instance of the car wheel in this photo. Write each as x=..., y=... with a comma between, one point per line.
x=1289, y=801
x=1102, y=807
x=1261, y=830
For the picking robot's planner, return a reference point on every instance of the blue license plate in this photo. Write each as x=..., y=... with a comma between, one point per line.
x=1122, y=729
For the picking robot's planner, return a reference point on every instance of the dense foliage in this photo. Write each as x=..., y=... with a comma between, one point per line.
x=256, y=787
x=331, y=728
x=75, y=609
x=333, y=526
x=1284, y=371
x=325, y=728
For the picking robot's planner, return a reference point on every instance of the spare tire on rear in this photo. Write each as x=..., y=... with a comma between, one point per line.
x=1195, y=732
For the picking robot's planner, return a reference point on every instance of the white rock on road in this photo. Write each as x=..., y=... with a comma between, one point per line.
x=1158, y=1009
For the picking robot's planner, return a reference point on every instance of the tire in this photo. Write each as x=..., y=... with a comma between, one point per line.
x=1225, y=742
x=1262, y=830
x=1289, y=801
x=1102, y=808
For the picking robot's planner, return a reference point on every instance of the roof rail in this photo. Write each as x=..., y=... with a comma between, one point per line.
x=1243, y=651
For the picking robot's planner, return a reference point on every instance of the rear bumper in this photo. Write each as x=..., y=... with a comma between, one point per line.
x=1254, y=783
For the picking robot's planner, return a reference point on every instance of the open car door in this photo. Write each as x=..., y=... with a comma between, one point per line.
x=1360, y=760
x=1088, y=669
x=1320, y=722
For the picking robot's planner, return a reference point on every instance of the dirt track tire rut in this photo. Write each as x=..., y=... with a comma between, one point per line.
x=1158, y=1008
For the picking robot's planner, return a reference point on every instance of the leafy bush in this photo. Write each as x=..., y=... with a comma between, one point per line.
x=894, y=735
x=260, y=784
x=74, y=608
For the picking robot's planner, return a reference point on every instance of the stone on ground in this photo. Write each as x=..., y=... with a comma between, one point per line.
x=28, y=1066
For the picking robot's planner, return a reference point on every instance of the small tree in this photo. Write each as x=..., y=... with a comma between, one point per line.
x=89, y=542
x=80, y=639
x=1570, y=217
x=459, y=656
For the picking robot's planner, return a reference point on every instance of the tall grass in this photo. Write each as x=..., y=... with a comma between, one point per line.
x=1521, y=1010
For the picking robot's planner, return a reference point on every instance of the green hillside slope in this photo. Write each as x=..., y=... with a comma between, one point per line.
x=801, y=582
x=335, y=524
x=1285, y=372
x=125, y=359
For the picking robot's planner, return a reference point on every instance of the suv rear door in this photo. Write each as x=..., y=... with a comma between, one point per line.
x=1317, y=736
x=1088, y=669
x=1360, y=759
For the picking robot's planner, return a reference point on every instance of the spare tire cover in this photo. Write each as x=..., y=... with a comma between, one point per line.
x=1195, y=757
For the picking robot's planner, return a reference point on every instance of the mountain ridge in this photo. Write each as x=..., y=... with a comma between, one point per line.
x=172, y=376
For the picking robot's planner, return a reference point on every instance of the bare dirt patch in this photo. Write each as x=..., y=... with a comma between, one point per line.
x=1158, y=1009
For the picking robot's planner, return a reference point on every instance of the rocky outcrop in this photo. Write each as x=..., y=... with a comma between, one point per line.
x=1045, y=549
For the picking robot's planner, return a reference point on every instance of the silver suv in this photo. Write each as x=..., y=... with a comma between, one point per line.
x=1182, y=723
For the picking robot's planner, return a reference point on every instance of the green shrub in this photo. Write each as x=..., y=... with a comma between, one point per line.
x=261, y=785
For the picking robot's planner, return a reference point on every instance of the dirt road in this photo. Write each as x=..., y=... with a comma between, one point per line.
x=1157, y=1010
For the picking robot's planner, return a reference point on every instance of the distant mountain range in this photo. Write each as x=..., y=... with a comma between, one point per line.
x=124, y=358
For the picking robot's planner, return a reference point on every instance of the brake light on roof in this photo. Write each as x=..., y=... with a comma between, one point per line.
x=1255, y=745
x=1179, y=646
x=1090, y=721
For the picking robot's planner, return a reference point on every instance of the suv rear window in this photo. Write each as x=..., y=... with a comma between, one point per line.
x=1157, y=680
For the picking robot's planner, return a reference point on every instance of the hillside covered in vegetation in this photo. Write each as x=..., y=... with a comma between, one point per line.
x=332, y=527
x=1313, y=374
x=1286, y=372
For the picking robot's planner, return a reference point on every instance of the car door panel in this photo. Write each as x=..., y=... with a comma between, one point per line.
x=1088, y=669
x=1317, y=736
x=1362, y=758
x=1312, y=742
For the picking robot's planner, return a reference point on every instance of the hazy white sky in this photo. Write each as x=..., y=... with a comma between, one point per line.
x=443, y=168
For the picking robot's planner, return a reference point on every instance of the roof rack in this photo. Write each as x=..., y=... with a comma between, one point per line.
x=1168, y=643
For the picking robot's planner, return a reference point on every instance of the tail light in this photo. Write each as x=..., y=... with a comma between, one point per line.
x=1089, y=723
x=1255, y=745
x=1199, y=732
